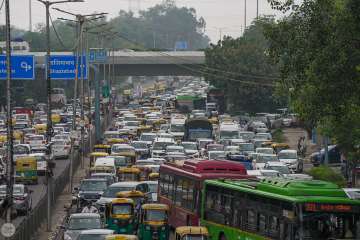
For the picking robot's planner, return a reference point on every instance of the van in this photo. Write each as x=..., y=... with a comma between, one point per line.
x=106, y=162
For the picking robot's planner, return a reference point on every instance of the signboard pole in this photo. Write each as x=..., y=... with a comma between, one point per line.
x=97, y=105
x=10, y=162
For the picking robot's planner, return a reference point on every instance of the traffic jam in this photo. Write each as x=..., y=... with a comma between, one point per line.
x=175, y=165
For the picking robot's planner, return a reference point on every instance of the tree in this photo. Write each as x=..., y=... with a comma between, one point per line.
x=241, y=67
x=317, y=49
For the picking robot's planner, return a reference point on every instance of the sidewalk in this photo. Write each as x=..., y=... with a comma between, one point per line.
x=58, y=211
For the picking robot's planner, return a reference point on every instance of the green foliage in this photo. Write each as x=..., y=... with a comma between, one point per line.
x=317, y=49
x=158, y=27
x=241, y=67
x=278, y=136
x=327, y=174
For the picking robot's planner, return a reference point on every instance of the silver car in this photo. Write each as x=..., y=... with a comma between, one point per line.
x=79, y=222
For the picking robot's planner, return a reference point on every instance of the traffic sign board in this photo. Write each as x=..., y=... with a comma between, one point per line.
x=22, y=67
x=8, y=229
x=97, y=55
x=63, y=67
x=181, y=45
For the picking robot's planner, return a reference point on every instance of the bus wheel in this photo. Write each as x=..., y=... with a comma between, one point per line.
x=222, y=236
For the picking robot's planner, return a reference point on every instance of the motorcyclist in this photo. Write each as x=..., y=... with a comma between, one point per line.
x=89, y=208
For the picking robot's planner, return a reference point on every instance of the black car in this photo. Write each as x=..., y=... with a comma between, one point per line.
x=90, y=190
x=334, y=156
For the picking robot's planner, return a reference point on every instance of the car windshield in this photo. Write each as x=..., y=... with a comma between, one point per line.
x=120, y=149
x=121, y=209
x=246, y=147
x=92, y=236
x=247, y=135
x=132, y=124
x=189, y=146
x=161, y=145
x=280, y=169
x=229, y=134
x=93, y=186
x=21, y=150
x=84, y=223
x=262, y=136
x=155, y=215
x=196, y=134
x=111, y=135
x=175, y=149
x=217, y=155
x=153, y=188
x=139, y=145
x=112, y=191
x=194, y=237
x=287, y=155
x=270, y=174
x=120, y=161
x=177, y=128
x=265, y=150
x=147, y=137
x=16, y=189
x=36, y=138
x=265, y=158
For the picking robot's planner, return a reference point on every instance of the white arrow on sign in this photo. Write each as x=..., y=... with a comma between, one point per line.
x=26, y=66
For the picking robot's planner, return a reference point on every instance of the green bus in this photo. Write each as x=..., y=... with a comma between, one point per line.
x=278, y=209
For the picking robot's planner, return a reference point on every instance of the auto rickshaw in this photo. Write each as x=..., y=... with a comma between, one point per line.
x=144, y=171
x=143, y=129
x=55, y=118
x=279, y=146
x=154, y=176
x=191, y=233
x=102, y=148
x=26, y=170
x=267, y=144
x=121, y=237
x=18, y=136
x=95, y=155
x=129, y=174
x=138, y=197
x=153, y=222
x=214, y=120
x=40, y=128
x=120, y=216
x=112, y=141
x=126, y=136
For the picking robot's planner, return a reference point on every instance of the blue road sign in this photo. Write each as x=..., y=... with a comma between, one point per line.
x=63, y=67
x=22, y=67
x=181, y=45
x=97, y=55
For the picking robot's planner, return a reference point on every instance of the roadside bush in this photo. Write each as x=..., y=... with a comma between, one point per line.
x=326, y=173
x=278, y=135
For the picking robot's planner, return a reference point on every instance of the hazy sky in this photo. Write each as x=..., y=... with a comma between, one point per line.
x=225, y=16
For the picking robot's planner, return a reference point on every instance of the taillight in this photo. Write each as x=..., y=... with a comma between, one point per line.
x=43, y=142
x=19, y=198
x=27, y=142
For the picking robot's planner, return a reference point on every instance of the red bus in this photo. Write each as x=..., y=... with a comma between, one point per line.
x=180, y=186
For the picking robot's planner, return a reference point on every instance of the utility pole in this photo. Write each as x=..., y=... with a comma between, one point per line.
x=80, y=19
x=49, y=129
x=257, y=8
x=30, y=17
x=245, y=13
x=10, y=163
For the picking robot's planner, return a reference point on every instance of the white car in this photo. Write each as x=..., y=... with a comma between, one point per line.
x=262, y=159
x=291, y=159
x=60, y=149
x=264, y=150
x=36, y=140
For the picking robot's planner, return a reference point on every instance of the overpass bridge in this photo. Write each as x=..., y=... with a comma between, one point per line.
x=131, y=63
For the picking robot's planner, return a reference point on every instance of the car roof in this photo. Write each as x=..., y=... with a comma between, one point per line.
x=124, y=184
x=94, y=180
x=273, y=163
x=85, y=215
x=97, y=231
x=288, y=150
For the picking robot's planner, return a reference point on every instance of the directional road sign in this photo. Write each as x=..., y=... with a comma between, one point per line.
x=97, y=55
x=63, y=67
x=22, y=67
x=181, y=45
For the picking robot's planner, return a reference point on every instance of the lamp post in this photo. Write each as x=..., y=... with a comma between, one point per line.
x=49, y=129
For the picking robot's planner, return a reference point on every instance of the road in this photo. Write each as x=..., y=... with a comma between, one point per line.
x=39, y=190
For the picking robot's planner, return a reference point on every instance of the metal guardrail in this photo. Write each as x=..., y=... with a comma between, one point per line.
x=36, y=217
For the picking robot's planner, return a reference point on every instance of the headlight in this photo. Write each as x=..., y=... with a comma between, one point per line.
x=67, y=237
x=148, y=228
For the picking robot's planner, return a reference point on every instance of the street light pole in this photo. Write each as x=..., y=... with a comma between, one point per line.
x=10, y=163
x=49, y=129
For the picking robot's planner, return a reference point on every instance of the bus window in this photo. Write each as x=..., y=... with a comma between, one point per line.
x=262, y=223
x=274, y=227
x=251, y=220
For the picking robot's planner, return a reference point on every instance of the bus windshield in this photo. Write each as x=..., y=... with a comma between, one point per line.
x=330, y=226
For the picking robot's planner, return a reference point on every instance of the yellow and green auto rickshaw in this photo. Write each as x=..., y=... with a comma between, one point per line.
x=102, y=148
x=138, y=197
x=40, y=128
x=26, y=170
x=120, y=216
x=154, y=176
x=129, y=174
x=153, y=222
x=191, y=233
x=95, y=155
x=112, y=141
x=121, y=237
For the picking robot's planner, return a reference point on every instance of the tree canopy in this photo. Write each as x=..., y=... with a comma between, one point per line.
x=159, y=27
x=241, y=67
x=317, y=49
